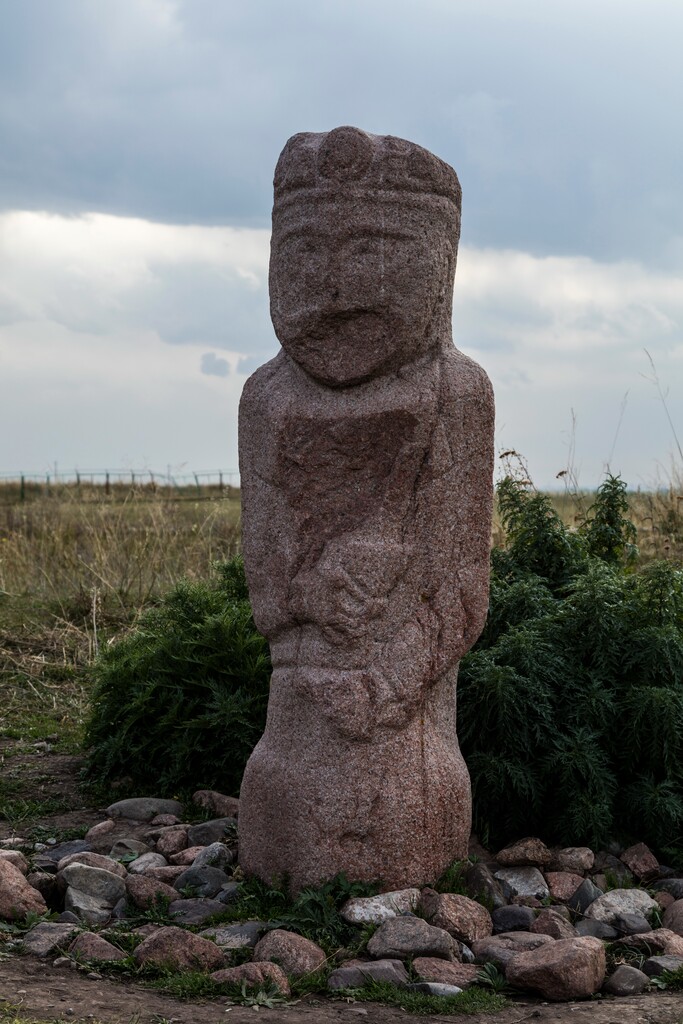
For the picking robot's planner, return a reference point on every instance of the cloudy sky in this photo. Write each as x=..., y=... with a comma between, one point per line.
x=138, y=140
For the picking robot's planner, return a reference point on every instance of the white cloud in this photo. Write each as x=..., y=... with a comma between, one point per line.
x=122, y=338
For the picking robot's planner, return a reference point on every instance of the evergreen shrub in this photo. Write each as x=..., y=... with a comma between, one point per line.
x=180, y=702
x=570, y=706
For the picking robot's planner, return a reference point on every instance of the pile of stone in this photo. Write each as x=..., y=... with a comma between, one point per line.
x=545, y=918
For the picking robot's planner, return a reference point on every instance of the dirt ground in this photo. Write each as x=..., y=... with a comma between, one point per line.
x=37, y=989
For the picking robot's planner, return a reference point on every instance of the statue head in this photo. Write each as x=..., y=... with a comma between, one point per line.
x=363, y=251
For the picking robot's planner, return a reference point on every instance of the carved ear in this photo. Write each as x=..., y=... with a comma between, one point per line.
x=447, y=279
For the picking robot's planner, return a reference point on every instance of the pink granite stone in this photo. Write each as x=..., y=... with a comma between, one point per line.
x=366, y=472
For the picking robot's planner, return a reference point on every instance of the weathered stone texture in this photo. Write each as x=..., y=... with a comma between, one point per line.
x=366, y=468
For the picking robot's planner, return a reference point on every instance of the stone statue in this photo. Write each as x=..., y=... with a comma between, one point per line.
x=366, y=468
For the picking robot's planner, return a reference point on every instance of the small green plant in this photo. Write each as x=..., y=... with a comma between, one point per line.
x=492, y=978
x=269, y=996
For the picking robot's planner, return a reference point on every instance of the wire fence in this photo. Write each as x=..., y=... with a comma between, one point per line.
x=117, y=482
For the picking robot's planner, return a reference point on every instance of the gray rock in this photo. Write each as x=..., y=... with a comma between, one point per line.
x=143, y=808
x=620, y=901
x=49, y=937
x=586, y=894
x=229, y=893
x=483, y=887
x=672, y=885
x=53, y=854
x=205, y=881
x=208, y=832
x=194, y=911
x=236, y=936
x=103, y=886
x=217, y=855
x=626, y=981
x=376, y=909
x=512, y=919
x=357, y=974
x=402, y=937
x=466, y=954
x=67, y=917
x=126, y=847
x=434, y=988
x=500, y=949
x=86, y=908
x=656, y=965
x=524, y=881
x=598, y=929
x=146, y=861
x=631, y=924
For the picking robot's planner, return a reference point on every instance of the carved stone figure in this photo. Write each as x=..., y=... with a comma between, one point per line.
x=366, y=469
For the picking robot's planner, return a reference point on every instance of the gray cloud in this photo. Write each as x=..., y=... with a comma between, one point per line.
x=213, y=366
x=559, y=120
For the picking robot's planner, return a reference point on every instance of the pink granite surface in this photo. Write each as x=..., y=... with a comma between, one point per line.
x=366, y=450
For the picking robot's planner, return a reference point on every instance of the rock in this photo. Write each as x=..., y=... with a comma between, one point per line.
x=203, y=881
x=673, y=917
x=101, y=829
x=512, y=919
x=499, y=949
x=641, y=861
x=549, y=922
x=665, y=899
x=430, y=968
x=143, y=808
x=659, y=940
x=147, y=862
x=460, y=916
x=562, y=884
x=560, y=971
x=165, y=820
x=104, y=886
x=294, y=953
x=144, y=891
x=573, y=860
x=93, y=860
x=217, y=855
x=66, y=917
x=57, y=853
x=261, y=974
x=620, y=901
x=525, y=852
x=598, y=929
x=167, y=875
x=434, y=988
x=17, y=897
x=236, y=936
x=17, y=858
x=216, y=803
x=375, y=909
x=87, y=908
x=93, y=947
x=195, y=911
x=187, y=857
x=208, y=832
x=656, y=965
x=127, y=847
x=367, y=571
x=230, y=893
x=403, y=937
x=172, y=841
x=674, y=886
x=584, y=896
x=49, y=937
x=626, y=981
x=357, y=973
x=606, y=863
x=483, y=887
x=178, y=950
x=524, y=881
x=630, y=924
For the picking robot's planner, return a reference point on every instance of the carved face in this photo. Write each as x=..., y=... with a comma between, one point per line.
x=357, y=293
